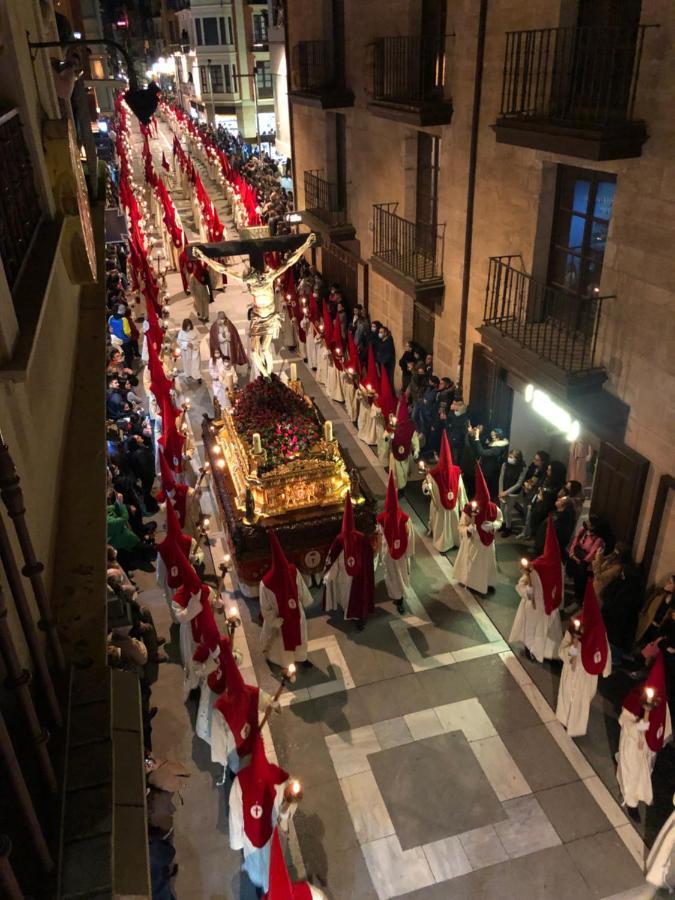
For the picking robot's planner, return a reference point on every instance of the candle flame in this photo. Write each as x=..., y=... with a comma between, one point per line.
x=233, y=612
x=576, y=623
x=650, y=693
x=217, y=450
x=206, y=521
x=227, y=559
x=295, y=787
x=291, y=669
x=524, y=562
x=207, y=466
x=221, y=463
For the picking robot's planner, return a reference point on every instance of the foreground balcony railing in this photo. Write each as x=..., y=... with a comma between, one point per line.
x=409, y=70
x=560, y=328
x=20, y=211
x=322, y=199
x=413, y=249
x=573, y=76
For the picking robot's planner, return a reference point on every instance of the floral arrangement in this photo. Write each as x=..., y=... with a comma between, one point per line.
x=287, y=426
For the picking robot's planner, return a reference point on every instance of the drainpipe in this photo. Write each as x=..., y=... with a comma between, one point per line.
x=471, y=188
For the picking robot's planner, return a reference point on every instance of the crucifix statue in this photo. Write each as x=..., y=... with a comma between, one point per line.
x=265, y=322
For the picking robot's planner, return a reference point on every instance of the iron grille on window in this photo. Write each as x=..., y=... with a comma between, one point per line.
x=322, y=199
x=313, y=66
x=19, y=205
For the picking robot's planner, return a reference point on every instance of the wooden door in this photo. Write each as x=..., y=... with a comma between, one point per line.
x=424, y=325
x=618, y=489
x=491, y=403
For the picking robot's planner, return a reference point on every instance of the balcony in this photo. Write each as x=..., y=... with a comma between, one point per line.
x=551, y=335
x=325, y=209
x=317, y=80
x=408, y=254
x=572, y=91
x=409, y=80
x=19, y=204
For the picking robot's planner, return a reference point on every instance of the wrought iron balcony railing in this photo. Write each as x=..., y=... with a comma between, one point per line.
x=20, y=211
x=409, y=70
x=322, y=199
x=560, y=328
x=413, y=249
x=573, y=76
x=314, y=67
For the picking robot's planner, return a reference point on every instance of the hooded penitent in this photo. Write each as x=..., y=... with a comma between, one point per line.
x=486, y=509
x=280, y=885
x=401, y=442
x=171, y=491
x=372, y=379
x=175, y=545
x=281, y=580
x=238, y=704
x=386, y=399
x=446, y=475
x=394, y=522
x=656, y=680
x=548, y=567
x=258, y=783
x=594, y=637
x=351, y=539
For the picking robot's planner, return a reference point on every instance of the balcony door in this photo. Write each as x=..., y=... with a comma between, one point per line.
x=599, y=58
x=431, y=62
x=583, y=210
x=426, y=207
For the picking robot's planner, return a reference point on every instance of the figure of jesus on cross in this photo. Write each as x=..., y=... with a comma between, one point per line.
x=265, y=322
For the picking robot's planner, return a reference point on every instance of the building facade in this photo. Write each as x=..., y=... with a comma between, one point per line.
x=496, y=179
x=223, y=68
x=72, y=780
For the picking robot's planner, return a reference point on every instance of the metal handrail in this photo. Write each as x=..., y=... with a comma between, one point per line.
x=572, y=75
x=409, y=69
x=560, y=327
x=412, y=248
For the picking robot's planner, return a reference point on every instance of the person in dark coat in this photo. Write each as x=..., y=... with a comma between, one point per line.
x=620, y=608
x=564, y=520
x=491, y=456
x=385, y=353
x=544, y=501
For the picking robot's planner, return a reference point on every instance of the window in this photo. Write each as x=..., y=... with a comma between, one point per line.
x=198, y=30
x=260, y=28
x=210, y=26
x=263, y=77
x=229, y=29
x=428, y=147
x=217, y=83
x=203, y=80
x=228, y=79
x=583, y=210
x=221, y=28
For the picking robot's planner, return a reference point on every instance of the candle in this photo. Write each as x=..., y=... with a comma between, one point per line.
x=294, y=372
x=288, y=296
x=474, y=507
x=328, y=430
x=176, y=353
x=422, y=466
x=206, y=522
x=217, y=449
x=350, y=370
x=524, y=563
x=257, y=443
x=649, y=694
x=220, y=463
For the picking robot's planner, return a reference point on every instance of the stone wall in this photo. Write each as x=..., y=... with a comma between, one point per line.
x=637, y=340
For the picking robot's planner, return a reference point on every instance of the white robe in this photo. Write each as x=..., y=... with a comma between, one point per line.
x=188, y=344
x=256, y=859
x=660, y=869
x=476, y=564
x=310, y=344
x=334, y=382
x=577, y=689
x=271, y=639
x=397, y=571
x=402, y=468
x=444, y=523
x=184, y=617
x=635, y=759
x=349, y=393
x=366, y=430
x=541, y=633
x=338, y=584
x=218, y=369
x=323, y=354
x=145, y=327
x=382, y=437
x=161, y=575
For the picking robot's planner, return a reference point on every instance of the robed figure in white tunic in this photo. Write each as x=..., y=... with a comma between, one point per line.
x=186, y=606
x=445, y=486
x=310, y=340
x=660, y=870
x=256, y=805
x=537, y=623
x=283, y=594
x=397, y=545
x=350, y=378
x=404, y=445
x=645, y=726
x=384, y=409
x=188, y=344
x=585, y=654
x=476, y=563
x=348, y=576
x=211, y=725
x=280, y=885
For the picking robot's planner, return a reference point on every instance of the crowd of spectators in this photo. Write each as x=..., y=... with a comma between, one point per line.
x=133, y=642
